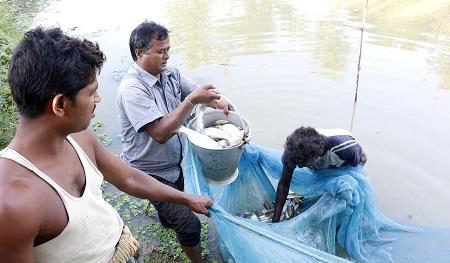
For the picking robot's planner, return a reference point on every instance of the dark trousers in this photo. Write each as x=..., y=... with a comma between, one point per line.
x=179, y=217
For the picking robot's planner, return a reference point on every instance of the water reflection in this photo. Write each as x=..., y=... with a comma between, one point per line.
x=419, y=21
x=441, y=64
x=414, y=25
x=237, y=28
x=212, y=32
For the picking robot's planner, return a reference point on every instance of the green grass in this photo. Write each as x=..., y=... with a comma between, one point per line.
x=13, y=24
x=156, y=243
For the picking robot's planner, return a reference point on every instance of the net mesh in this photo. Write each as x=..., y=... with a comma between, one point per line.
x=344, y=211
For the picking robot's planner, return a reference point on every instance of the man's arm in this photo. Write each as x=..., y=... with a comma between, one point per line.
x=353, y=155
x=282, y=192
x=164, y=128
x=133, y=181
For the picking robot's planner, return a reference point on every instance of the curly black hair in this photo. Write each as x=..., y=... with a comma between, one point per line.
x=303, y=147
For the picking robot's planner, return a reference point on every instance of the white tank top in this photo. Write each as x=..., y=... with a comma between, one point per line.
x=94, y=226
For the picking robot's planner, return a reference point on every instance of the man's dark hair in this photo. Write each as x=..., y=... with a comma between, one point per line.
x=303, y=146
x=47, y=62
x=141, y=36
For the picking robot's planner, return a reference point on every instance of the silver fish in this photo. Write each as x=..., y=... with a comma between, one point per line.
x=220, y=122
x=290, y=209
x=199, y=123
x=200, y=139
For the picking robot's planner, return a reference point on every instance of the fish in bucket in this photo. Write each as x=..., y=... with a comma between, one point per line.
x=218, y=142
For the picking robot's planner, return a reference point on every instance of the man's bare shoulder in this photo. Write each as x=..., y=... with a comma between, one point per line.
x=113, y=168
x=19, y=187
x=96, y=152
x=19, y=207
x=87, y=140
x=86, y=136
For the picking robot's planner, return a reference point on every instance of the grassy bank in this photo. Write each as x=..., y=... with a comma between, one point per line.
x=13, y=24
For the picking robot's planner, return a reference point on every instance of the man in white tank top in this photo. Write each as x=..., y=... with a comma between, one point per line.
x=51, y=206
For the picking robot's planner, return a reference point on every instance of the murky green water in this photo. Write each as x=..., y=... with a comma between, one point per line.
x=289, y=63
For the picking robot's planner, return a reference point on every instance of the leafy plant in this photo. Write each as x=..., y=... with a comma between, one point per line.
x=157, y=244
x=98, y=125
x=104, y=139
x=8, y=117
x=12, y=25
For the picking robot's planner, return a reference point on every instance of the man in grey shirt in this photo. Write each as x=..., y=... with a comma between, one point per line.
x=152, y=102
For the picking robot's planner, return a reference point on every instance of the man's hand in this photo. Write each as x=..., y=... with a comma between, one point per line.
x=209, y=95
x=204, y=94
x=221, y=104
x=200, y=203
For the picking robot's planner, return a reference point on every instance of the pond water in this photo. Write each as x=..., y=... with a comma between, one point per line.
x=287, y=63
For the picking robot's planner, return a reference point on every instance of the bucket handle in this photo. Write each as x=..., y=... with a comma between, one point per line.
x=235, y=109
x=246, y=128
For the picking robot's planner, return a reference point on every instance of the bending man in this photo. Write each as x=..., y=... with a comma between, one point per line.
x=315, y=149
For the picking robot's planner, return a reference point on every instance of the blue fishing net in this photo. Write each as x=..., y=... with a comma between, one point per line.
x=344, y=210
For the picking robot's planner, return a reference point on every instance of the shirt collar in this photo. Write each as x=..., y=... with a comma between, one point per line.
x=150, y=79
